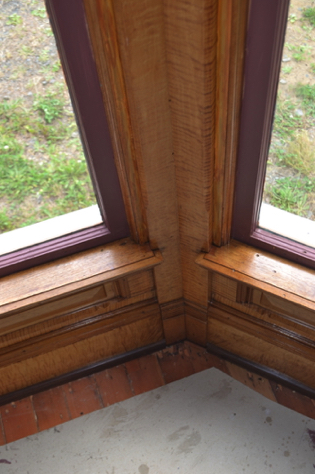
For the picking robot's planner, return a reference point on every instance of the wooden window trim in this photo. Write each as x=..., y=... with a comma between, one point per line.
x=266, y=31
x=67, y=18
x=225, y=255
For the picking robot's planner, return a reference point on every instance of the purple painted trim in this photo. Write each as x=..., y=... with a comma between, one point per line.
x=283, y=247
x=51, y=250
x=70, y=29
x=265, y=37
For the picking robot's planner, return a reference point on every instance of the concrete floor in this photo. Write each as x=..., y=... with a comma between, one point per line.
x=203, y=424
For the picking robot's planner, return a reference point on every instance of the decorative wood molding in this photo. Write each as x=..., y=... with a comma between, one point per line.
x=262, y=370
x=232, y=24
x=244, y=293
x=103, y=33
x=81, y=372
x=264, y=271
x=82, y=345
x=78, y=331
x=263, y=342
x=74, y=273
x=267, y=329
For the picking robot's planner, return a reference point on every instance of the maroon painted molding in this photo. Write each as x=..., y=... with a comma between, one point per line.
x=69, y=26
x=265, y=38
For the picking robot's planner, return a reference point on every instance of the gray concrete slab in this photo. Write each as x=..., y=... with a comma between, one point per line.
x=207, y=423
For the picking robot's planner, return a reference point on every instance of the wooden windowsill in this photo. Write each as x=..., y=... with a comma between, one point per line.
x=262, y=270
x=73, y=273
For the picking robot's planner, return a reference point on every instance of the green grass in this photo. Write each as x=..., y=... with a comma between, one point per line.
x=290, y=194
x=33, y=189
x=309, y=15
x=286, y=121
x=299, y=53
x=40, y=12
x=50, y=105
x=292, y=148
x=287, y=69
x=306, y=93
x=14, y=19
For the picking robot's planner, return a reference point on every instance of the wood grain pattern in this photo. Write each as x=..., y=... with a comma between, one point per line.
x=68, y=310
x=278, y=305
x=196, y=330
x=170, y=72
x=222, y=92
x=103, y=34
x=222, y=286
x=284, y=324
x=174, y=329
x=196, y=323
x=289, y=355
x=280, y=332
x=54, y=309
x=66, y=322
x=190, y=29
x=47, y=341
x=141, y=41
x=74, y=273
x=232, y=25
x=264, y=271
x=81, y=353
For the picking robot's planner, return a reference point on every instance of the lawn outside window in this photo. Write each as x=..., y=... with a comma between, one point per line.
x=90, y=228
x=265, y=37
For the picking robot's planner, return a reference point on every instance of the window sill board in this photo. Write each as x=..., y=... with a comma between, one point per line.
x=286, y=224
x=73, y=273
x=49, y=229
x=262, y=270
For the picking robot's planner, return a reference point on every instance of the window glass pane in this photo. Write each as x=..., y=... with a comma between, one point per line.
x=290, y=177
x=43, y=172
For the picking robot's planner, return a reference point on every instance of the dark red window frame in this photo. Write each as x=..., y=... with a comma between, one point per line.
x=69, y=26
x=265, y=38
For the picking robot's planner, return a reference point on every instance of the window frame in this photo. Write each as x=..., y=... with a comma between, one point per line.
x=265, y=37
x=69, y=26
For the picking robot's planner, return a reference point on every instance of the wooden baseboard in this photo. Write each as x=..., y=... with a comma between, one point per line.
x=262, y=370
x=81, y=372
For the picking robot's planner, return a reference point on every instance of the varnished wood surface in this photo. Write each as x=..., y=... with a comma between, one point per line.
x=262, y=270
x=232, y=26
x=265, y=345
x=190, y=31
x=141, y=40
x=59, y=354
x=68, y=312
x=170, y=73
x=73, y=273
x=103, y=33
